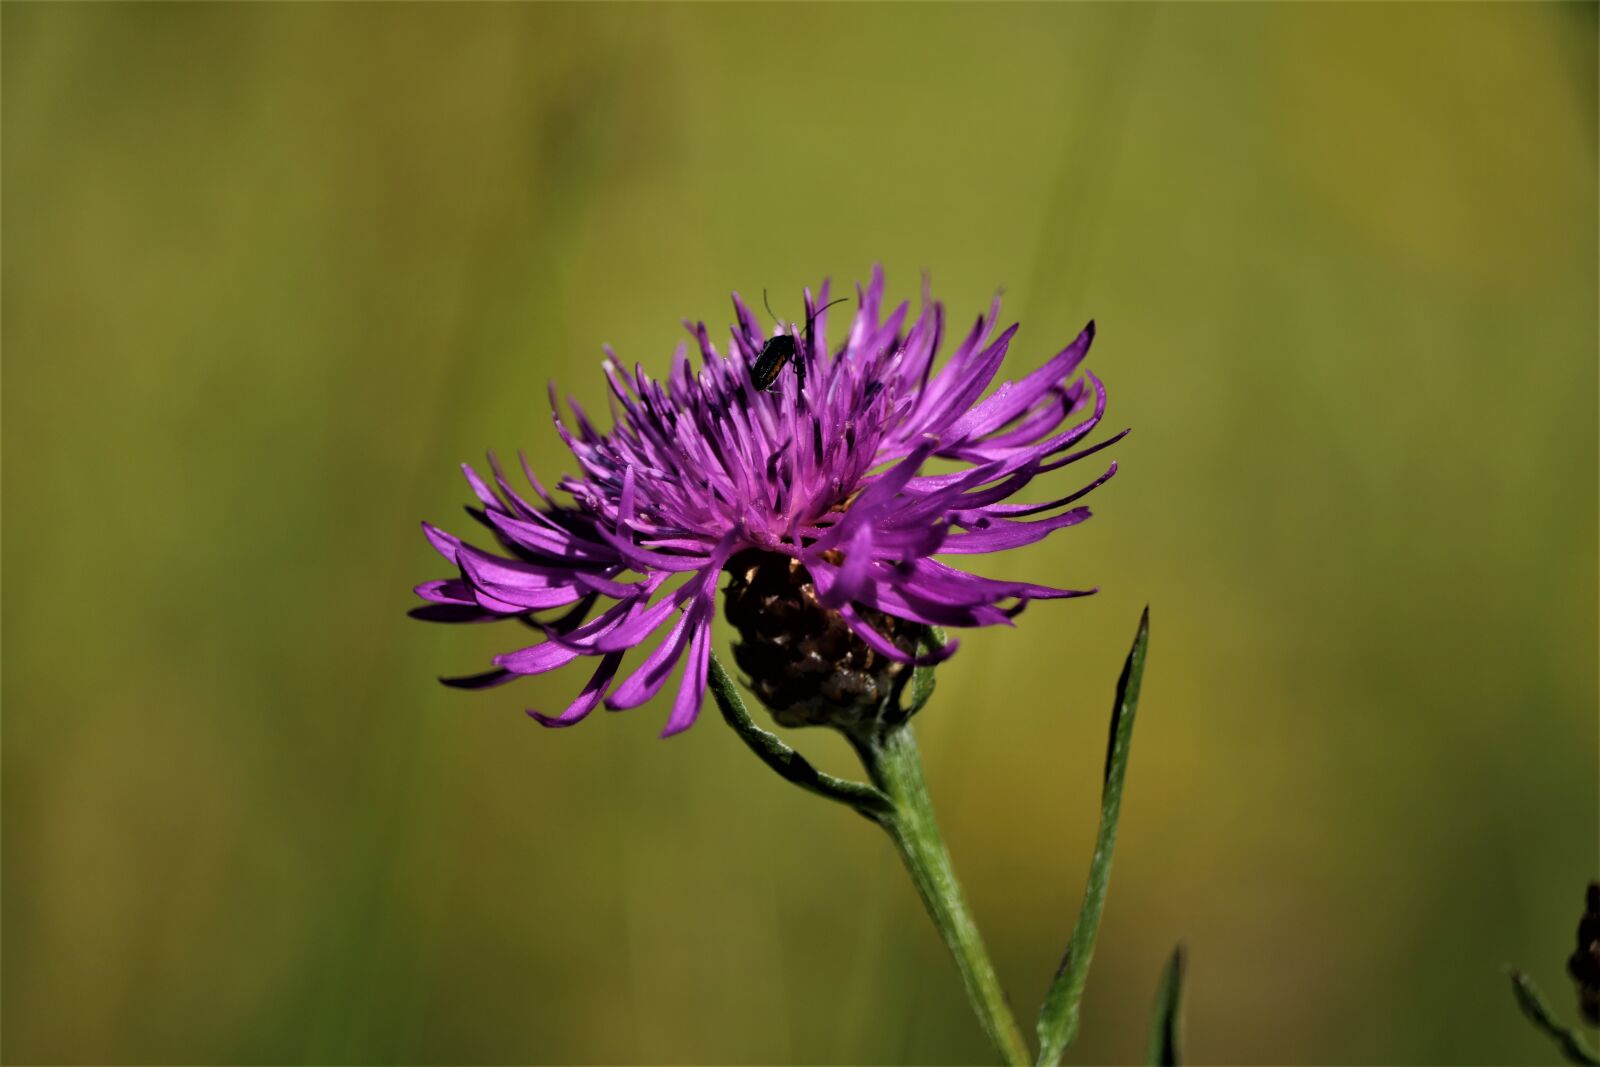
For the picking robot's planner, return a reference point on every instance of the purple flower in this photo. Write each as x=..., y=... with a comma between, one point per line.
x=821, y=479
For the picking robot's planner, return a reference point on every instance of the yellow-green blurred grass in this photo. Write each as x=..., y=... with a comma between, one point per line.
x=271, y=271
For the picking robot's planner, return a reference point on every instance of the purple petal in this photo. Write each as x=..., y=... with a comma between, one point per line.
x=480, y=489
x=883, y=645
x=519, y=505
x=588, y=699
x=511, y=582
x=545, y=538
x=486, y=680
x=1002, y=533
x=446, y=591
x=537, y=659
x=852, y=574
x=878, y=495
x=646, y=681
x=692, y=690
x=967, y=381
x=453, y=613
x=443, y=543
x=1011, y=399
x=1016, y=510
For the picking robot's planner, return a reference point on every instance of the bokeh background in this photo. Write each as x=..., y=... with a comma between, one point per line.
x=272, y=271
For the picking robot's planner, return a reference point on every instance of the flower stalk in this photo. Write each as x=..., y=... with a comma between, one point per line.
x=895, y=767
x=898, y=801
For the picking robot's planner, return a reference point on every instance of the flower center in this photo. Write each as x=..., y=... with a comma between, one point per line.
x=805, y=663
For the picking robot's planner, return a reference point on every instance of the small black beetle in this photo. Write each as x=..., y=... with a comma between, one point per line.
x=781, y=349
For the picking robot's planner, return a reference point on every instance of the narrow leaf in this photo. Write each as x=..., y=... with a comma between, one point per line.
x=915, y=688
x=784, y=759
x=1166, y=1037
x=1058, y=1018
x=1533, y=1006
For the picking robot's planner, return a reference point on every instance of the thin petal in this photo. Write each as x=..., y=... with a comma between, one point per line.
x=696, y=665
x=853, y=571
x=537, y=659
x=588, y=699
x=1011, y=399
x=646, y=681
x=486, y=680
x=886, y=647
x=1001, y=534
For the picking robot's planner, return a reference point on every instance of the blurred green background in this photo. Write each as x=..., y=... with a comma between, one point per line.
x=272, y=271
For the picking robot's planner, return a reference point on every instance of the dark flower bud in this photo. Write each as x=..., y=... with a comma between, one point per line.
x=805, y=663
x=1584, y=963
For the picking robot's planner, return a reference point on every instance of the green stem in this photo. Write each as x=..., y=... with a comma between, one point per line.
x=1567, y=1038
x=891, y=759
x=783, y=758
x=898, y=801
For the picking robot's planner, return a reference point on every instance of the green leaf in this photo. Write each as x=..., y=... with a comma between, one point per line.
x=1533, y=1006
x=1166, y=1033
x=915, y=689
x=791, y=765
x=1058, y=1018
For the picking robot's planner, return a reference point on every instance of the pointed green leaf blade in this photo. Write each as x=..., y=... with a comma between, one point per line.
x=1058, y=1018
x=1166, y=1033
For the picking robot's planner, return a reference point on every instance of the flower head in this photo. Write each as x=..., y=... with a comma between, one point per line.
x=813, y=494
